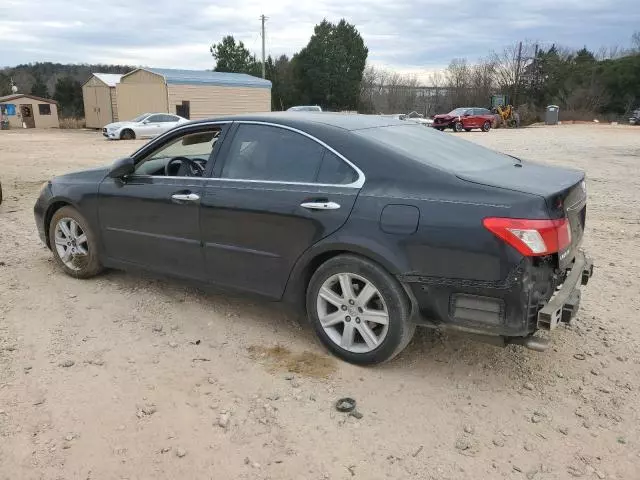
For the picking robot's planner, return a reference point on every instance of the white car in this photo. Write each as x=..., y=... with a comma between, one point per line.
x=304, y=108
x=145, y=125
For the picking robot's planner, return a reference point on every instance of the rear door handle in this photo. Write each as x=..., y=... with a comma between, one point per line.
x=320, y=205
x=185, y=197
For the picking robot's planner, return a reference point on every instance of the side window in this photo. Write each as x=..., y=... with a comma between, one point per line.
x=169, y=118
x=154, y=119
x=335, y=171
x=196, y=146
x=262, y=152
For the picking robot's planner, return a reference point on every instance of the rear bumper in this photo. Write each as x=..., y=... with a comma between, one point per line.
x=564, y=304
x=533, y=296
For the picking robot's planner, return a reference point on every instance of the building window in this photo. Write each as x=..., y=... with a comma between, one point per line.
x=45, y=109
x=184, y=109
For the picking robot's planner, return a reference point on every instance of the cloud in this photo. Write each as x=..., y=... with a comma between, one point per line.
x=408, y=35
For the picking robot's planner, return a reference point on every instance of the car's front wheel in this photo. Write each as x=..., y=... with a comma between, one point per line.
x=458, y=127
x=73, y=243
x=486, y=126
x=358, y=310
x=127, y=134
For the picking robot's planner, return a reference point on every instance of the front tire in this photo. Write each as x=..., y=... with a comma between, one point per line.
x=358, y=310
x=127, y=134
x=74, y=246
x=458, y=127
x=486, y=126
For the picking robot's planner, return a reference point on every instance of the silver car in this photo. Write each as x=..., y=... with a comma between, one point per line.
x=143, y=126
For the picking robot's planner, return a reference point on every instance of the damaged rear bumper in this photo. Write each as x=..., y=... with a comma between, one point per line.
x=565, y=302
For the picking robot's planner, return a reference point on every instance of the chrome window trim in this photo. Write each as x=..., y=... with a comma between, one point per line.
x=357, y=184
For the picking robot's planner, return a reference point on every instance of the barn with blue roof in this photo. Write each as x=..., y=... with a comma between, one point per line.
x=192, y=94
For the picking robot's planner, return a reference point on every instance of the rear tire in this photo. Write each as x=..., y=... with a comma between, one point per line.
x=486, y=126
x=74, y=246
x=458, y=127
x=127, y=134
x=369, y=323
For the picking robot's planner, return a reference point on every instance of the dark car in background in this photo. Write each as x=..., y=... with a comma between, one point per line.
x=369, y=224
x=466, y=118
x=634, y=119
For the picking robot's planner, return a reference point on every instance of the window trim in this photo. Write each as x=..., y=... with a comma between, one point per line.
x=358, y=183
x=162, y=140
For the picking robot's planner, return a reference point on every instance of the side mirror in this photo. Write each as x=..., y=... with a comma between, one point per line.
x=466, y=114
x=122, y=168
x=145, y=122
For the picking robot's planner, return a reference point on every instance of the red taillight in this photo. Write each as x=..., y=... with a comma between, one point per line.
x=531, y=238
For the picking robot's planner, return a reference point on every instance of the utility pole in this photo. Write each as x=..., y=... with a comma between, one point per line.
x=518, y=72
x=263, y=18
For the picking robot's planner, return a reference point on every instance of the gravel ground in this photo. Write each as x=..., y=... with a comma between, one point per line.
x=125, y=376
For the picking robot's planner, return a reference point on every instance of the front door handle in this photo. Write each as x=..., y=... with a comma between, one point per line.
x=185, y=197
x=320, y=205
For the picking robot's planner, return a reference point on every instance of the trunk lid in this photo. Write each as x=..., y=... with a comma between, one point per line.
x=563, y=189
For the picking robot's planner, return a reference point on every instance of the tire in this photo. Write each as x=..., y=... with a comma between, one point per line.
x=127, y=134
x=486, y=126
x=385, y=341
x=78, y=265
x=457, y=127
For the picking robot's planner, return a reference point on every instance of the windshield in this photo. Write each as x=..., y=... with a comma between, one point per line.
x=436, y=149
x=458, y=111
x=140, y=118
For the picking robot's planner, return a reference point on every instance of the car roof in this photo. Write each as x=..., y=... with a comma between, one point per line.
x=304, y=119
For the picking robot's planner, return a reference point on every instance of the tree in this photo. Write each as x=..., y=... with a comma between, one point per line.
x=328, y=71
x=280, y=73
x=39, y=88
x=68, y=94
x=234, y=57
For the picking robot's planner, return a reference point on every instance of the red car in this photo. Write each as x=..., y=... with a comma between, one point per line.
x=465, y=119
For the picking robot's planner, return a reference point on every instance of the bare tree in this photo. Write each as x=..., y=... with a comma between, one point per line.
x=511, y=66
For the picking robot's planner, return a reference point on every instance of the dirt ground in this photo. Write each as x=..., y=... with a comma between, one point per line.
x=128, y=377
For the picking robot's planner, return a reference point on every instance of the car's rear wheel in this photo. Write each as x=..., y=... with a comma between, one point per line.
x=486, y=126
x=457, y=127
x=73, y=243
x=358, y=310
x=127, y=134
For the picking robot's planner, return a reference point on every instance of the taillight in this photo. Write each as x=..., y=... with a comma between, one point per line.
x=531, y=238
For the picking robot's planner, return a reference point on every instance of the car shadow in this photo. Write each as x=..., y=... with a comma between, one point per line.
x=431, y=352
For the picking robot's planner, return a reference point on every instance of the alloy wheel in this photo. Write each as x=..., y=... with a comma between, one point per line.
x=352, y=312
x=71, y=243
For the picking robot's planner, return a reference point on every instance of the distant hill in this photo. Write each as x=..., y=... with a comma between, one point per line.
x=62, y=82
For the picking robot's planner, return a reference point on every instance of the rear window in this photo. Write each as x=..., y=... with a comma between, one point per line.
x=441, y=150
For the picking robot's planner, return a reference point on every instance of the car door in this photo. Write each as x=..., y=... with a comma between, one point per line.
x=152, y=220
x=150, y=126
x=276, y=191
x=167, y=123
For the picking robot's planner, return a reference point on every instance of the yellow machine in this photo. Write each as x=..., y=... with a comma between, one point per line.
x=508, y=117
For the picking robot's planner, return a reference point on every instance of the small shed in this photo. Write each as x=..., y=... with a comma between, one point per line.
x=99, y=96
x=192, y=94
x=22, y=110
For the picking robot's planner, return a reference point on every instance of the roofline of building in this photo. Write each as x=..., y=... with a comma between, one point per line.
x=14, y=96
x=247, y=85
x=93, y=74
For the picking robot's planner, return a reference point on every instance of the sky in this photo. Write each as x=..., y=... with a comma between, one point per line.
x=409, y=36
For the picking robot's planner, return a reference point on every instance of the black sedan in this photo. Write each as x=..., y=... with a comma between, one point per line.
x=370, y=224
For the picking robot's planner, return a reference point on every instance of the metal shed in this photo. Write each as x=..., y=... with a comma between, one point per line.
x=99, y=96
x=193, y=94
x=28, y=111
